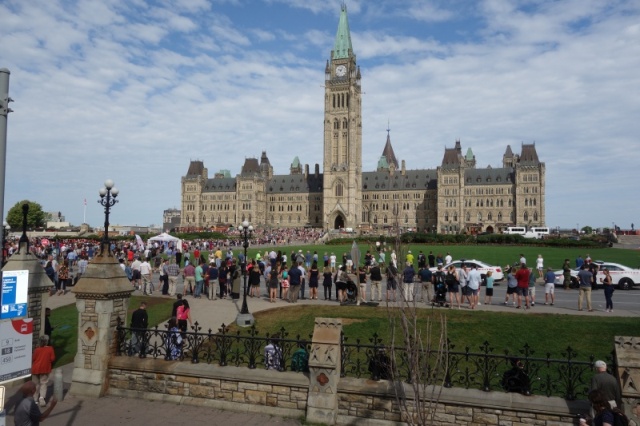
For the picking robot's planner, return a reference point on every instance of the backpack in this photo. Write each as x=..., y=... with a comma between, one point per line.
x=300, y=360
x=619, y=418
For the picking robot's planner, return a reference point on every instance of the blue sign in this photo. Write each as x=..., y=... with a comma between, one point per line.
x=15, y=294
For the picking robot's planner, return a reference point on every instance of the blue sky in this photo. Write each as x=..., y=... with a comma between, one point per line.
x=134, y=90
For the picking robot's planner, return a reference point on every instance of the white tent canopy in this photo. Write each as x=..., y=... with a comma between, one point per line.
x=164, y=237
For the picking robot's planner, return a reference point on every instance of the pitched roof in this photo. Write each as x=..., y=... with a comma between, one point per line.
x=508, y=152
x=295, y=183
x=412, y=179
x=226, y=184
x=529, y=155
x=342, y=46
x=451, y=158
x=488, y=176
x=250, y=167
x=388, y=153
x=195, y=168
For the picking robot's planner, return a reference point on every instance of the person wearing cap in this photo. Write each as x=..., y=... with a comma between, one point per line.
x=606, y=384
x=549, y=286
x=607, y=282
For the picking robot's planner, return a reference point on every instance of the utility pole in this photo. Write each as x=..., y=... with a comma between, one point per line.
x=4, y=114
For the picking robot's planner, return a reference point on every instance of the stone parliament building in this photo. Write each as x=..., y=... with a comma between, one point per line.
x=452, y=198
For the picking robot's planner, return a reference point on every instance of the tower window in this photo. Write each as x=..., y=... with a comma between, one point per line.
x=339, y=190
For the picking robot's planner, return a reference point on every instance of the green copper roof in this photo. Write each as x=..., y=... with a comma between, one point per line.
x=225, y=173
x=382, y=163
x=469, y=155
x=342, y=46
x=296, y=162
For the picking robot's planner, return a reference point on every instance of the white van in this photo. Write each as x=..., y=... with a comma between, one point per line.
x=542, y=231
x=520, y=230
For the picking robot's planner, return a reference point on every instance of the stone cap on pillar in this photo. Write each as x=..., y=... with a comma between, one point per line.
x=25, y=260
x=327, y=330
x=103, y=279
x=627, y=349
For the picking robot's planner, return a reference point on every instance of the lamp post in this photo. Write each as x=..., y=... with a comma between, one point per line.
x=245, y=319
x=108, y=195
x=6, y=228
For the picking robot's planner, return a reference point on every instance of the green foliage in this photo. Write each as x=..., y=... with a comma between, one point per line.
x=587, y=230
x=35, y=217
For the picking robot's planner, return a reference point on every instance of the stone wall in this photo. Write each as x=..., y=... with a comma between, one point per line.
x=230, y=388
x=360, y=401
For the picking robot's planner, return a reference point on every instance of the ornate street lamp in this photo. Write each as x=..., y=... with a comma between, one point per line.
x=245, y=319
x=108, y=195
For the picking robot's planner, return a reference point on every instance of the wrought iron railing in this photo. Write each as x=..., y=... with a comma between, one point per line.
x=240, y=348
x=520, y=371
x=486, y=369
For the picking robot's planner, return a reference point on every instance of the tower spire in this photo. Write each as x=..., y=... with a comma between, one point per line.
x=342, y=46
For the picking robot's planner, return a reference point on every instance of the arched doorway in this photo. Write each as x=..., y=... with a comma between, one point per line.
x=339, y=222
x=490, y=230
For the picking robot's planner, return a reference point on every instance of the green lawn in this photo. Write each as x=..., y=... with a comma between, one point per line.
x=496, y=255
x=544, y=333
x=65, y=323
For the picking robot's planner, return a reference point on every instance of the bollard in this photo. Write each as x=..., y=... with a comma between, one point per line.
x=58, y=386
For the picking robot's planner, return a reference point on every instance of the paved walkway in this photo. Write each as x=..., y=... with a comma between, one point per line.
x=109, y=410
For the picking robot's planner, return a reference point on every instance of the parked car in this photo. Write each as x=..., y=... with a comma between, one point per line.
x=483, y=267
x=622, y=276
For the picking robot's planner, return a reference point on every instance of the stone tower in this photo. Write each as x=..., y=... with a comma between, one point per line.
x=342, y=188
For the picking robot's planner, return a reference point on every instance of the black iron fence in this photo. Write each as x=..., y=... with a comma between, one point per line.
x=486, y=369
x=222, y=347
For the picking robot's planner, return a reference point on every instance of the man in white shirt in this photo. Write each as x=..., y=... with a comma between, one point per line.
x=475, y=278
x=135, y=273
x=332, y=262
x=145, y=272
x=448, y=259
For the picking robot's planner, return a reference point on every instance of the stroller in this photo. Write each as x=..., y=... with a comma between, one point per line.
x=352, y=292
x=440, y=297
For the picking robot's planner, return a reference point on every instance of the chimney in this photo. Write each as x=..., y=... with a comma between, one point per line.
x=317, y=169
x=404, y=170
x=306, y=171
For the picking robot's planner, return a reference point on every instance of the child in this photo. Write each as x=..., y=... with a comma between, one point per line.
x=285, y=285
x=489, y=289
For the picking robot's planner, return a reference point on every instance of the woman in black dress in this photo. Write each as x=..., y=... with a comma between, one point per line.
x=314, y=273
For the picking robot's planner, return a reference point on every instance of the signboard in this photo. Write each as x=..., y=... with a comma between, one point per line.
x=15, y=349
x=15, y=294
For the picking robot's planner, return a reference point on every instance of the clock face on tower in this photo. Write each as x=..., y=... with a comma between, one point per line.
x=341, y=70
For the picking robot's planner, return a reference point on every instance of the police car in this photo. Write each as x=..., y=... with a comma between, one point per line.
x=483, y=267
x=622, y=276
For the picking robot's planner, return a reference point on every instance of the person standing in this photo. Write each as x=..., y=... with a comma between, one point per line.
x=254, y=280
x=566, y=274
x=488, y=292
x=606, y=384
x=540, y=265
x=475, y=278
x=392, y=283
x=549, y=287
x=453, y=285
x=272, y=282
x=362, y=285
x=139, y=323
x=164, y=276
x=584, y=281
x=314, y=277
x=189, y=278
x=376, y=278
x=295, y=275
x=135, y=273
x=532, y=287
x=199, y=278
x=512, y=285
x=448, y=259
x=213, y=279
x=522, y=276
x=223, y=280
x=145, y=274
x=432, y=260
x=426, y=278
x=607, y=282
x=173, y=270
x=183, y=315
x=41, y=366
x=27, y=411
x=327, y=281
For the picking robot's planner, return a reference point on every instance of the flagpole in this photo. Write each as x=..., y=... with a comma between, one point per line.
x=84, y=215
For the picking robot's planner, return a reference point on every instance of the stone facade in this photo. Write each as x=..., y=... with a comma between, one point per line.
x=453, y=197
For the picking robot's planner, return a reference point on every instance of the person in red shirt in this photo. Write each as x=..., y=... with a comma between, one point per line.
x=522, y=276
x=43, y=358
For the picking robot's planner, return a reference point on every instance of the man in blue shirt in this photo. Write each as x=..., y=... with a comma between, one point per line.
x=584, y=279
x=549, y=286
x=426, y=278
x=295, y=279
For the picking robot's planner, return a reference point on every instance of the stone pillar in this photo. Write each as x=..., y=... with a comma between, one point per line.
x=628, y=360
x=324, y=371
x=39, y=285
x=102, y=296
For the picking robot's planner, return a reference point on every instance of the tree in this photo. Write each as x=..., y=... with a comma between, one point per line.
x=587, y=230
x=35, y=217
